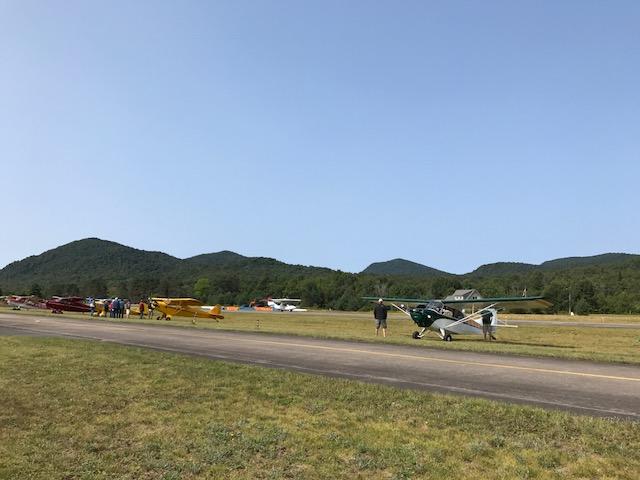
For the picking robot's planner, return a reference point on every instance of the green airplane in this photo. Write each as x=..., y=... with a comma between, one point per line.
x=448, y=317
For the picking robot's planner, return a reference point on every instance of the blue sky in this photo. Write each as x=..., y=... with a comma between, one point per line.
x=327, y=133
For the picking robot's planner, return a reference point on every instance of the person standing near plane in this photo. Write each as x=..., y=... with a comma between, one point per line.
x=380, y=314
x=141, y=308
x=486, y=325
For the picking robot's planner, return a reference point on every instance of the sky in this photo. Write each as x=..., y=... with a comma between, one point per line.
x=329, y=133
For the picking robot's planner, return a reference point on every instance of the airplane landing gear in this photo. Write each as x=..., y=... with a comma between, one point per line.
x=418, y=335
x=445, y=336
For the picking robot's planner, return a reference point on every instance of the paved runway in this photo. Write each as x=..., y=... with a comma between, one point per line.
x=583, y=387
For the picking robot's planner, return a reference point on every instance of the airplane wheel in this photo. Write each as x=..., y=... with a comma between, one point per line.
x=448, y=337
x=168, y=318
x=416, y=335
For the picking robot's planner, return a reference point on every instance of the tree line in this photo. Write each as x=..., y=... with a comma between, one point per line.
x=583, y=290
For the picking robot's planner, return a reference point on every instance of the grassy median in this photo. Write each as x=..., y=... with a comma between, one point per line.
x=75, y=409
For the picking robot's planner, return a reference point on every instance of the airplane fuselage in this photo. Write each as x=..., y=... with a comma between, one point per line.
x=436, y=317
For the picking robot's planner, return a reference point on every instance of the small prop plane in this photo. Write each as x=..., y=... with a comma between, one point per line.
x=67, y=304
x=186, y=307
x=447, y=317
x=285, y=304
x=18, y=302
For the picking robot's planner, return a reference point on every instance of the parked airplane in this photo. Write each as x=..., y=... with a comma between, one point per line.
x=67, y=304
x=285, y=304
x=447, y=318
x=186, y=307
x=19, y=302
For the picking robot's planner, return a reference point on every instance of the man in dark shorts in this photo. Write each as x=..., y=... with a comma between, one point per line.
x=380, y=314
x=486, y=325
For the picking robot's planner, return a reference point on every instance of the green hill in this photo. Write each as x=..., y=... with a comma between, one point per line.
x=502, y=268
x=592, y=261
x=608, y=283
x=85, y=260
x=102, y=268
x=217, y=259
x=227, y=260
x=400, y=266
x=517, y=268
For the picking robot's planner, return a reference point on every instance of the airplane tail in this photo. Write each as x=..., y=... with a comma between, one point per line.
x=216, y=311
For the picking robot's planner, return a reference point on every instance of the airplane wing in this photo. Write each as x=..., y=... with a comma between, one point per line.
x=507, y=302
x=402, y=300
x=280, y=300
x=180, y=302
x=71, y=299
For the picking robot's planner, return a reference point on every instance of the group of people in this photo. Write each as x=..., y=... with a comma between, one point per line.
x=119, y=308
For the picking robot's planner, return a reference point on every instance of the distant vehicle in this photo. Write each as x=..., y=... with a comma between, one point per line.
x=285, y=304
x=446, y=317
x=186, y=307
x=67, y=304
x=19, y=302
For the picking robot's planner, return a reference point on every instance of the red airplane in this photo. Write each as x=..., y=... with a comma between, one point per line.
x=67, y=304
x=18, y=302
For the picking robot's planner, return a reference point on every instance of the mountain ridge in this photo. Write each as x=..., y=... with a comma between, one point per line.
x=399, y=266
x=97, y=252
x=608, y=283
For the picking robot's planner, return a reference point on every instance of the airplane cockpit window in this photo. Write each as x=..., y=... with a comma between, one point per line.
x=435, y=306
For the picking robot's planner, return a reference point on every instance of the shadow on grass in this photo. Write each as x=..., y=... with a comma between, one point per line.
x=473, y=341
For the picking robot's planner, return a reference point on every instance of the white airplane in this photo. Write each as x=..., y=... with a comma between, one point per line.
x=285, y=304
x=444, y=317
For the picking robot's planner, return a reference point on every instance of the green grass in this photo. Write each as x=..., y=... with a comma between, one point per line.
x=74, y=409
x=584, y=343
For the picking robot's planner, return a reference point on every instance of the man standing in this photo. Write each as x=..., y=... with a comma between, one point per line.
x=486, y=325
x=380, y=314
x=141, y=308
x=151, y=308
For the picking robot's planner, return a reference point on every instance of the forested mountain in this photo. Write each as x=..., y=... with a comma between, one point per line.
x=82, y=261
x=230, y=260
x=595, y=260
x=400, y=266
x=503, y=268
x=510, y=268
x=603, y=283
x=224, y=257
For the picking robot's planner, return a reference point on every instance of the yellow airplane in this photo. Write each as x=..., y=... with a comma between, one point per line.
x=186, y=307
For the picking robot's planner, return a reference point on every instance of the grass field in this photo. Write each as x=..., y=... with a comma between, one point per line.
x=74, y=409
x=599, y=344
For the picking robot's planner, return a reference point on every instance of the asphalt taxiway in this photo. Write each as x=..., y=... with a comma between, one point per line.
x=591, y=388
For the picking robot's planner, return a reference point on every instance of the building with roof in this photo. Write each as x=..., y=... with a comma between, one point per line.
x=464, y=295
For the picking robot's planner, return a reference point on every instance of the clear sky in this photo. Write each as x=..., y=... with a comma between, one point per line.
x=331, y=133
